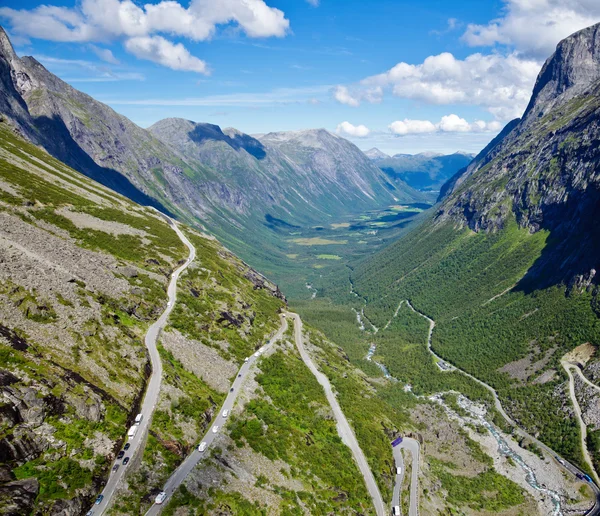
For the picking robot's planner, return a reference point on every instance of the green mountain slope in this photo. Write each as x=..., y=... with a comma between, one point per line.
x=507, y=265
x=83, y=273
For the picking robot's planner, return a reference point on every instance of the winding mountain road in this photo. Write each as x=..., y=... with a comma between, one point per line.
x=414, y=447
x=343, y=427
x=571, y=468
x=582, y=426
x=153, y=386
x=185, y=468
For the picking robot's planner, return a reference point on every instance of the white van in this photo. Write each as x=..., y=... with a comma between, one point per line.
x=396, y=510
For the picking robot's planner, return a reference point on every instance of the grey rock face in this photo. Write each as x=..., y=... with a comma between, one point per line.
x=543, y=170
x=573, y=68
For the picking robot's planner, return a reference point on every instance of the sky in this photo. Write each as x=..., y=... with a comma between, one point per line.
x=402, y=76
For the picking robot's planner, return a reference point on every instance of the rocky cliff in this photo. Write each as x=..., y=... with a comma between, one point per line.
x=543, y=170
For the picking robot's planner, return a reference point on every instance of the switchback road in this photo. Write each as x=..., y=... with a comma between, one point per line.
x=344, y=429
x=184, y=469
x=571, y=468
x=153, y=387
x=413, y=446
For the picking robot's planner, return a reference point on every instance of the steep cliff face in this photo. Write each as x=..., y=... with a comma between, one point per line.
x=544, y=169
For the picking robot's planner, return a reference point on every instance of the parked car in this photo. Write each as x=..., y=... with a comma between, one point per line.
x=246, y=359
x=120, y=455
x=231, y=390
x=125, y=461
x=215, y=429
x=160, y=498
x=225, y=413
x=202, y=446
x=115, y=467
x=126, y=447
x=99, y=499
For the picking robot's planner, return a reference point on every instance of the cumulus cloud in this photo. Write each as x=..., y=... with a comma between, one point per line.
x=534, y=27
x=448, y=124
x=357, y=131
x=107, y=20
x=161, y=51
x=406, y=126
x=500, y=84
x=342, y=95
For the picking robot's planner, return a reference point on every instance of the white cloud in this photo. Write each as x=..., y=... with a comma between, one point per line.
x=500, y=84
x=314, y=3
x=163, y=52
x=406, y=126
x=342, y=95
x=105, y=54
x=534, y=27
x=448, y=124
x=107, y=20
x=357, y=131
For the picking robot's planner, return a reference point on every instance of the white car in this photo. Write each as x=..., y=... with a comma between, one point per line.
x=398, y=471
x=169, y=303
x=261, y=350
x=256, y=354
x=225, y=413
x=160, y=498
x=282, y=315
x=202, y=446
x=215, y=429
x=246, y=359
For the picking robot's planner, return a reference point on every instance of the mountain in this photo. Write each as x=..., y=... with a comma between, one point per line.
x=507, y=265
x=299, y=177
x=426, y=171
x=84, y=272
x=250, y=192
x=375, y=154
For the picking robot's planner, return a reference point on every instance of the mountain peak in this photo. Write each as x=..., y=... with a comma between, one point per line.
x=375, y=153
x=570, y=71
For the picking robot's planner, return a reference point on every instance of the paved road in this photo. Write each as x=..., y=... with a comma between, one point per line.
x=343, y=427
x=582, y=427
x=571, y=468
x=153, y=387
x=413, y=446
x=185, y=468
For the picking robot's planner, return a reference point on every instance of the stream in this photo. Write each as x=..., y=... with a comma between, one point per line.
x=478, y=413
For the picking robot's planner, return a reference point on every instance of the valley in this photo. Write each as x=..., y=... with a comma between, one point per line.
x=282, y=307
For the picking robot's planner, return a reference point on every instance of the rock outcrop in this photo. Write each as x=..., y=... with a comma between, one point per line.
x=543, y=170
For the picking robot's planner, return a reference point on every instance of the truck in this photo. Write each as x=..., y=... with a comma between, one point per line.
x=396, y=441
x=138, y=418
x=396, y=510
x=132, y=431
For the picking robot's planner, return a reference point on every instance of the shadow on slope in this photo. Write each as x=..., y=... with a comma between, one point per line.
x=57, y=141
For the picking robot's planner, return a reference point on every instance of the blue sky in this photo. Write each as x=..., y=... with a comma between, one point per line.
x=404, y=76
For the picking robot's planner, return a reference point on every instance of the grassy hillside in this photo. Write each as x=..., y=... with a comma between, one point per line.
x=465, y=281
x=84, y=272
